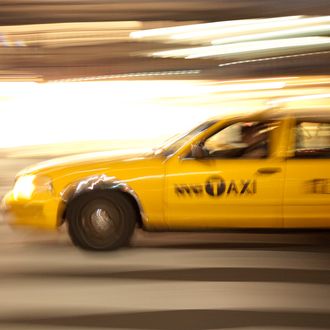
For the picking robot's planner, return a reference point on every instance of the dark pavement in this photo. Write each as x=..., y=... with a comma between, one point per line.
x=166, y=281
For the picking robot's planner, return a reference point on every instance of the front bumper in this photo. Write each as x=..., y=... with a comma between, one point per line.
x=36, y=212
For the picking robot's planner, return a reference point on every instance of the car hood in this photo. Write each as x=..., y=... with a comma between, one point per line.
x=88, y=159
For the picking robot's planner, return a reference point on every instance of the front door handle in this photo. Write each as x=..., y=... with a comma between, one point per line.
x=269, y=170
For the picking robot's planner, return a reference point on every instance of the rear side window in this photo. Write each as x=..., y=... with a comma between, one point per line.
x=312, y=140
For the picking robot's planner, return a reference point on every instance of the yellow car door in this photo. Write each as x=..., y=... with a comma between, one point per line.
x=307, y=186
x=237, y=181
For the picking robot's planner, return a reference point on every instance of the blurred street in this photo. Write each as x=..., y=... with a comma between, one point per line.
x=166, y=281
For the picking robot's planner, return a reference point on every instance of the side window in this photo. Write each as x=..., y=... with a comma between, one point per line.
x=312, y=140
x=249, y=140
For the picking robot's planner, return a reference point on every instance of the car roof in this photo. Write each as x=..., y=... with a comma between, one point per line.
x=308, y=107
x=312, y=114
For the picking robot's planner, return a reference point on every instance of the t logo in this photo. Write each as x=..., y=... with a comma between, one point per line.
x=215, y=186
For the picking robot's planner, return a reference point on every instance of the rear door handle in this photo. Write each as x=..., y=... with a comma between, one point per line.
x=269, y=170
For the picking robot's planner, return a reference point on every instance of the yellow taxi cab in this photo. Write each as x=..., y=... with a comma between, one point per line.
x=266, y=170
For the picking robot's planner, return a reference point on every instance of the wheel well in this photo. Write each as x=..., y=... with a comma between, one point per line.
x=136, y=206
x=128, y=196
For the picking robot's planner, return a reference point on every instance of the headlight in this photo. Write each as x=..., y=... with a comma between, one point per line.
x=24, y=187
x=27, y=184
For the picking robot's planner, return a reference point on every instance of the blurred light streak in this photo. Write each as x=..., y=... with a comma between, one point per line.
x=299, y=32
x=76, y=26
x=131, y=75
x=247, y=29
x=301, y=98
x=54, y=113
x=68, y=34
x=257, y=25
x=242, y=100
x=273, y=58
x=50, y=113
x=192, y=30
x=19, y=77
x=244, y=47
x=254, y=80
x=243, y=39
x=244, y=87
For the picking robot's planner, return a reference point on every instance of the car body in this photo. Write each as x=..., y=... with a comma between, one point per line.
x=265, y=170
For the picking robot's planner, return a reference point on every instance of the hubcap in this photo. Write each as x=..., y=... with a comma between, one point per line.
x=101, y=220
x=101, y=223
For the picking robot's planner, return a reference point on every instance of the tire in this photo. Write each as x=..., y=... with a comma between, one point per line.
x=101, y=220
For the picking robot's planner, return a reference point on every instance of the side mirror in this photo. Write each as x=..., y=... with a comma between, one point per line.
x=197, y=151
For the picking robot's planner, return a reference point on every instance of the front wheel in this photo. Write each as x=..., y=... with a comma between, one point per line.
x=101, y=220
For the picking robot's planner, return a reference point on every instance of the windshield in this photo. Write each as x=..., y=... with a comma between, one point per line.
x=177, y=141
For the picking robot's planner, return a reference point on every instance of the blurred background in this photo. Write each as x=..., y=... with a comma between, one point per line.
x=81, y=75
x=78, y=76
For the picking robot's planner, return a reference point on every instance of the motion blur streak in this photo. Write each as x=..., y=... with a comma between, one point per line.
x=131, y=75
x=243, y=38
x=273, y=58
x=320, y=29
x=194, y=30
x=246, y=47
x=164, y=103
x=67, y=34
